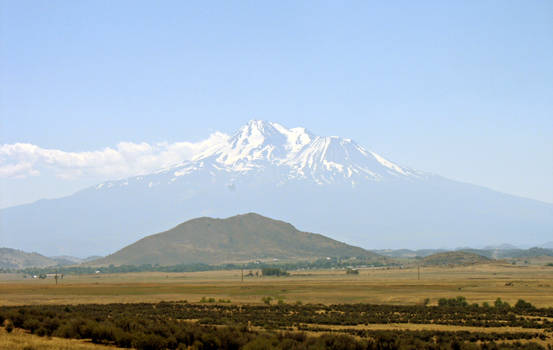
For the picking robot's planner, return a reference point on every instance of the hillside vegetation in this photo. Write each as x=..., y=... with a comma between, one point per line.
x=241, y=238
x=455, y=258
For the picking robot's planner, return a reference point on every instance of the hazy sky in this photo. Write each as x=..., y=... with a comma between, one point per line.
x=462, y=89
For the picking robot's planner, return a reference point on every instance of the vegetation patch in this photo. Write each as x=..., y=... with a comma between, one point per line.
x=283, y=326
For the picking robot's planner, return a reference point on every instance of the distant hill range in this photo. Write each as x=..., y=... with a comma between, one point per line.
x=17, y=259
x=408, y=253
x=512, y=253
x=455, y=258
x=504, y=246
x=238, y=239
x=504, y=251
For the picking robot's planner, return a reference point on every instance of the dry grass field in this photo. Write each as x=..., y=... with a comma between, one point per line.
x=478, y=283
x=21, y=340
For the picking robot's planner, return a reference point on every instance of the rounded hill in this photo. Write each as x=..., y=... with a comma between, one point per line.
x=455, y=258
x=242, y=238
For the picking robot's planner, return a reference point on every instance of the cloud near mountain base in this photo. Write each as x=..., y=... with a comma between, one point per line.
x=20, y=160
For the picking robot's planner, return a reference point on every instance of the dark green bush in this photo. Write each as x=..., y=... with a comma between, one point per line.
x=524, y=305
x=453, y=302
x=273, y=271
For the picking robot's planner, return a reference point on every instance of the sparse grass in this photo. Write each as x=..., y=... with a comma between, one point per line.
x=478, y=283
x=21, y=340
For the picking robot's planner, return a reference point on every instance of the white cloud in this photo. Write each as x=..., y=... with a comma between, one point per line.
x=126, y=159
x=18, y=170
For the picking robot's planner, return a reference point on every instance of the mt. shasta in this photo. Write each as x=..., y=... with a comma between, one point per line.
x=329, y=185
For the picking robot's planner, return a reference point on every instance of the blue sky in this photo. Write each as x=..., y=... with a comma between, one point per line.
x=462, y=89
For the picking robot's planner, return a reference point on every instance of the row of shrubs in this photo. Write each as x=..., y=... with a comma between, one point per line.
x=279, y=315
x=213, y=300
x=461, y=301
x=274, y=271
x=155, y=335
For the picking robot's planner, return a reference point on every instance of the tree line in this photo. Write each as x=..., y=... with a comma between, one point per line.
x=325, y=263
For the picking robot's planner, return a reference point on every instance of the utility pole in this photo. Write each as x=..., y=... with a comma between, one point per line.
x=419, y=272
x=242, y=273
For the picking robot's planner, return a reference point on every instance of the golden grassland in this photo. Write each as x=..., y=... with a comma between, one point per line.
x=21, y=340
x=478, y=283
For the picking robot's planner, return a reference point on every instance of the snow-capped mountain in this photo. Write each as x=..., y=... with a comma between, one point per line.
x=329, y=185
x=301, y=154
x=286, y=154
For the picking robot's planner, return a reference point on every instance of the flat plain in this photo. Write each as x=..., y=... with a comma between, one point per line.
x=478, y=283
x=224, y=290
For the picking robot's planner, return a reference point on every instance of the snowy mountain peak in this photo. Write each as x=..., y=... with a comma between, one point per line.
x=303, y=154
x=284, y=155
x=259, y=132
